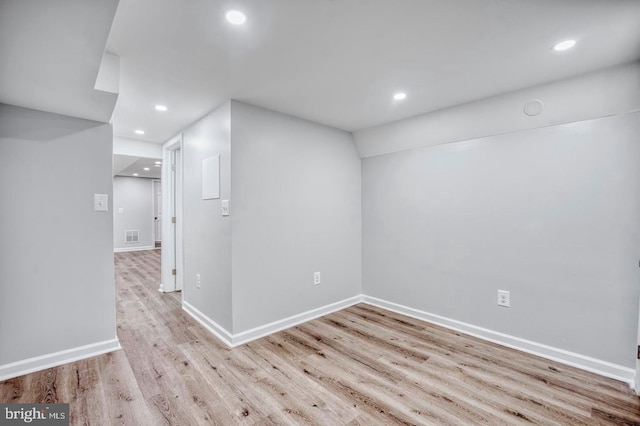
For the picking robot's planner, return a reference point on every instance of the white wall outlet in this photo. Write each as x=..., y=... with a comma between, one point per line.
x=316, y=278
x=225, y=207
x=504, y=298
x=198, y=280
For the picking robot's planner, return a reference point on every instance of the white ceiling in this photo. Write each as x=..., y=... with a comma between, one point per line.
x=127, y=165
x=336, y=62
x=339, y=62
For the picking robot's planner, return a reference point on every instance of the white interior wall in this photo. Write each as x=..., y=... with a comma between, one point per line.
x=206, y=234
x=136, y=148
x=295, y=211
x=550, y=214
x=56, y=268
x=134, y=196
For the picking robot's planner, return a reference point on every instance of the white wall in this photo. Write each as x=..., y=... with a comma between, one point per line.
x=607, y=92
x=206, y=234
x=56, y=268
x=134, y=196
x=295, y=210
x=136, y=148
x=550, y=214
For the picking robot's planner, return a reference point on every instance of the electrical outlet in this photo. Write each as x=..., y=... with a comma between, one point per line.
x=316, y=278
x=504, y=298
x=198, y=280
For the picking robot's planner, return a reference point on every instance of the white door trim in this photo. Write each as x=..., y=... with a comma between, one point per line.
x=172, y=207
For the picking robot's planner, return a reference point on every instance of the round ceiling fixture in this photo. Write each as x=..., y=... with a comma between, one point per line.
x=160, y=107
x=135, y=174
x=564, y=45
x=139, y=132
x=146, y=169
x=399, y=96
x=236, y=17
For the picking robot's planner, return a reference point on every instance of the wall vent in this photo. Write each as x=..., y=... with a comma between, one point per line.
x=132, y=236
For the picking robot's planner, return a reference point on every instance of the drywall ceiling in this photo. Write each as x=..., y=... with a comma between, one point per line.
x=127, y=165
x=339, y=62
x=336, y=62
x=50, y=53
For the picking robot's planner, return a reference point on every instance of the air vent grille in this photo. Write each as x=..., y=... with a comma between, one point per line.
x=132, y=236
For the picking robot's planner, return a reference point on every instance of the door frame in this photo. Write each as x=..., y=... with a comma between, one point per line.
x=636, y=382
x=171, y=257
x=154, y=200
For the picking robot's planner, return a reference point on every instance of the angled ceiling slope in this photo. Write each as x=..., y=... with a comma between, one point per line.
x=50, y=55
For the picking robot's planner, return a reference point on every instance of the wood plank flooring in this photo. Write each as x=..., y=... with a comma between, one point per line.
x=360, y=366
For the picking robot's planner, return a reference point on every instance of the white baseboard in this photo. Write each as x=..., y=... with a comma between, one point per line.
x=573, y=359
x=587, y=363
x=274, y=327
x=215, y=328
x=233, y=340
x=30, y=365
x=124, y=249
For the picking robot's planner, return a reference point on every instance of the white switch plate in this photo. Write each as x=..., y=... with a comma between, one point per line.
x=120, y=210
x=316, y=278
x=101, y=202
x=225, y=207
x=504, y=298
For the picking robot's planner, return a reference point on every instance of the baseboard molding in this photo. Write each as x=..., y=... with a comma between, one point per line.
x=124, y=249
x=562, y=356
x=30, y=365
x=215, y=328
x=283, y=324
x=233, y=340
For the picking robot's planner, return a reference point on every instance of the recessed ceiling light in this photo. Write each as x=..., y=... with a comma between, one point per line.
x=399, y=96
x=158, y=162
x=236, y=17
x=135, y=174
x=564, y=45
x=157, y=165
x=146, y=169
x=139, y=132
x=161, y=107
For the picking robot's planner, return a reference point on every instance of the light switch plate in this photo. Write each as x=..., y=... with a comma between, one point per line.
x=101, y=202
x=225, y=207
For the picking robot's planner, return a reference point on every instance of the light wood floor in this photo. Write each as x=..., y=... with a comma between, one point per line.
x=360, y=366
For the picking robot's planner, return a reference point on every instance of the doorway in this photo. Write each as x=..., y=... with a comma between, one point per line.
x=136, y=181
x=171, y=269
